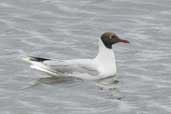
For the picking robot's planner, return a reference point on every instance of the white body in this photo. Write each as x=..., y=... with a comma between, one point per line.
x=102, y=66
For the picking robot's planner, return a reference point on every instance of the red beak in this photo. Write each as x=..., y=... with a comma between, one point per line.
x=124, y=41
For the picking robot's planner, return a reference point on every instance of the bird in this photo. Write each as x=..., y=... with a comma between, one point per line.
x=103, y=65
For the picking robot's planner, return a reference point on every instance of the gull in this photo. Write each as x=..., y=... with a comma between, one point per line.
x=101, y=66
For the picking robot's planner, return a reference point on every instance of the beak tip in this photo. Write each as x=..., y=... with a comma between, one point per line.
x=124, y=41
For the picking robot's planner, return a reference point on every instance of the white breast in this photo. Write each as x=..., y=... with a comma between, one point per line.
x=105, y=60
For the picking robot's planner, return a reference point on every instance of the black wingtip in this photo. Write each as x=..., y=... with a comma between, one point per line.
x=38, y=59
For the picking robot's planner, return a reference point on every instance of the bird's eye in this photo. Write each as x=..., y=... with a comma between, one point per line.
x=114, y=36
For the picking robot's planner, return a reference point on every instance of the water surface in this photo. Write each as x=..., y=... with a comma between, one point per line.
x=60, y=29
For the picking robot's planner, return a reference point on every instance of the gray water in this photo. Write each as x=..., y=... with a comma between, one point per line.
x=69, y=29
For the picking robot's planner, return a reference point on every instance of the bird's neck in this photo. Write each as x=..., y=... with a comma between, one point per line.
x=106, y=58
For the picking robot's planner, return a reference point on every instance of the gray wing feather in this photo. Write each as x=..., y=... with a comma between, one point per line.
x=73, y=69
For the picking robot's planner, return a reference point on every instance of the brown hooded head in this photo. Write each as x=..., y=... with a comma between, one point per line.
x=110, y=38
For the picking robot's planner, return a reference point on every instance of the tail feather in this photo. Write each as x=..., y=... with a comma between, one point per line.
x=37, y=63
x=38, y=59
